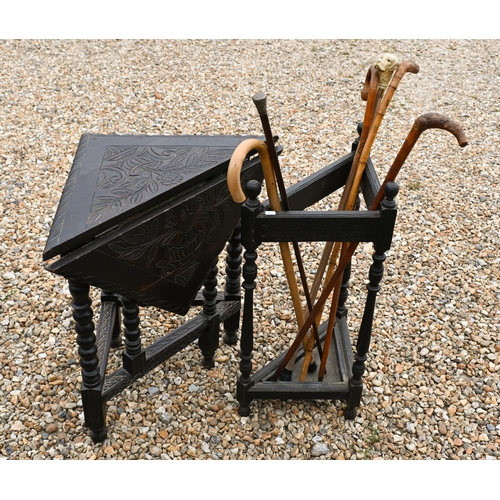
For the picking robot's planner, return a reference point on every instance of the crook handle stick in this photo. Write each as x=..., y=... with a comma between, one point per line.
x=234, y=185
x=424, y=122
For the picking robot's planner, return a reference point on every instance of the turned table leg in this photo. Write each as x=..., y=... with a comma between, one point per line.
x=93, y=404
x=233, y=284
x=209, y=339
x=134, y=356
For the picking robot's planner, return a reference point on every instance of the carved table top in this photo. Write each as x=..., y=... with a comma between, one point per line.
x=116, y=176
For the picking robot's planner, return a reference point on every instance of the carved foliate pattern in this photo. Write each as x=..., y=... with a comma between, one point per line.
x=129, y=175
x=172, y=244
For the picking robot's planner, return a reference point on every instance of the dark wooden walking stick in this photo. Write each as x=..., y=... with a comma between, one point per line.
x=260, y=101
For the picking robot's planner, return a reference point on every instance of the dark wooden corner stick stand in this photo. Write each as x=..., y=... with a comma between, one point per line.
x=144, y=220
x=343, y=379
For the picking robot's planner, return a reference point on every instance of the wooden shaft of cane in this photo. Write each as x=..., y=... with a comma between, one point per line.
x=369, y=93
x=234, y=185
x=330, y=329
x=260, y=101
x=373, y=91
x=424, y=122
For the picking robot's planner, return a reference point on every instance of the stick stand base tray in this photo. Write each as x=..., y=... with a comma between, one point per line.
x=335, y=384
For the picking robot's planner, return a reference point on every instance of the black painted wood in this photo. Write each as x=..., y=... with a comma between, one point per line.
x=251, y=208
x=144, y=219
x=232, y=290
x=318, y=226
x=114, y=177
x=157, y=255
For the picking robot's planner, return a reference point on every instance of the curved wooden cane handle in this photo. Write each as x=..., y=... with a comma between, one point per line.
x=422, y=123
x=236, y=162
x=234, y=185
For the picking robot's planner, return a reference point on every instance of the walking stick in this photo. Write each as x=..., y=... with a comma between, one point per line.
x=369, y=94
x=260, y=101
x=404, y=67
x=330, y=252
x=374, y=91
x=234, y=185
x=424, y=122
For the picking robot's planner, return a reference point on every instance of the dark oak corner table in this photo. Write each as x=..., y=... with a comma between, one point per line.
x=144, y=219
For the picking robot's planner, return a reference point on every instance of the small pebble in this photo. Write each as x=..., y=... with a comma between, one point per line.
x=51, y=428
x=319, y=449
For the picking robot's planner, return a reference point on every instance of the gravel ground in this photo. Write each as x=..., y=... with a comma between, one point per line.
x=433, y=373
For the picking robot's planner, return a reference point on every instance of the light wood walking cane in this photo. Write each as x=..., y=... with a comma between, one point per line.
x=237, y=194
